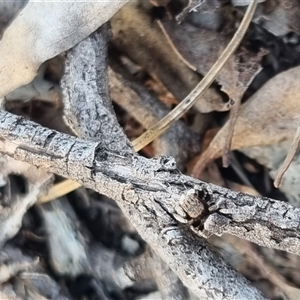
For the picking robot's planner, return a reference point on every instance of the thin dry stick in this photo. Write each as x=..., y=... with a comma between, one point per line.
x=232, y=120
x=160, y=127
x=59, y=190
x=292, y=151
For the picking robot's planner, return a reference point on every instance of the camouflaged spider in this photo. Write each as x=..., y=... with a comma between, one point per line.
x=192, y=205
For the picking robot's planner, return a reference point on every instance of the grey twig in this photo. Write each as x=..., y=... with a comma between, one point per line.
x=264, y=221
x=147, y=190
x=88, y=108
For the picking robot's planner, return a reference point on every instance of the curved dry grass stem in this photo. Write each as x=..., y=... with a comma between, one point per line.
x=59, y=190
x=160, y=127
x=68, y=185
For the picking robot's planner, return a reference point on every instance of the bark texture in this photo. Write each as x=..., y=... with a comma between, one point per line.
x=147, y=191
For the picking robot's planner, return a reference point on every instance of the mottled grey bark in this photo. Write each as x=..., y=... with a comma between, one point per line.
x=266, y=222
x=88, y=108
x=147, y=191
x=89, y=111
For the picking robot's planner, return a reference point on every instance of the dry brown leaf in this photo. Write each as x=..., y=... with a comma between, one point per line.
x=199, y=48
x=272, y=158
x=136, y=35
x=43, y=30
x=9, y=10
x=268, y=117
x=280, y=18
x=208, y=79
